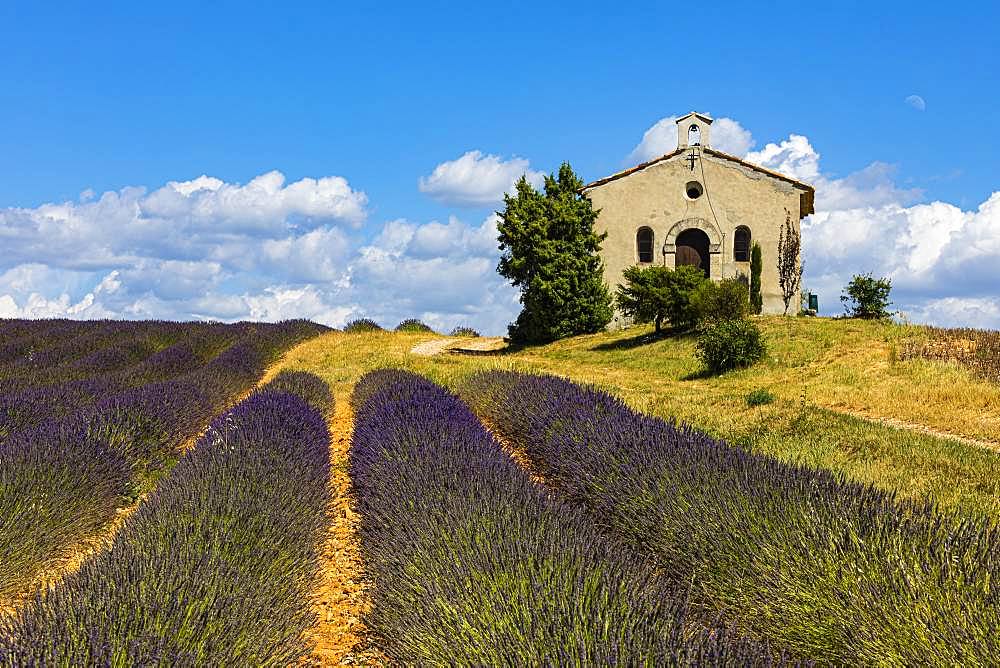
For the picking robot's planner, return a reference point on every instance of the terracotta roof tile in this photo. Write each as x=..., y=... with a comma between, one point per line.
x=808, y=192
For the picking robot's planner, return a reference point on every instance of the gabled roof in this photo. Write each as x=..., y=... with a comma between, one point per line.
x=701, y=117
x=808, y=194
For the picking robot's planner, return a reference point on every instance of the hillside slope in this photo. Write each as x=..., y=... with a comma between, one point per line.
x=835, y=384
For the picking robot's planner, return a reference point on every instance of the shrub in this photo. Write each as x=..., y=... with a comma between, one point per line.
x=836, y=571
x=654, y=294
x=464, y=331
x=216, y=567
x=756, y=267
x=720, y=300
x=867, y=297
x=730, y=344
x=472, y=563
x=760, y=397
x=413, y=325
x=362, y=325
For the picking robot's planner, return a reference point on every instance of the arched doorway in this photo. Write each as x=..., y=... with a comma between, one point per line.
x=692, y=248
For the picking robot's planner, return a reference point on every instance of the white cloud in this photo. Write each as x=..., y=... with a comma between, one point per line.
x=727, y=135
x=476, y=179
x=983, y=312
x=793, y=157
x=268, y=250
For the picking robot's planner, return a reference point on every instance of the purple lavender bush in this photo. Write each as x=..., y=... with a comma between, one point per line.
x=71, y=453
x=829, y=569
x=471, y=563
x=218, y=565
x=308, y=386
x=57, y=486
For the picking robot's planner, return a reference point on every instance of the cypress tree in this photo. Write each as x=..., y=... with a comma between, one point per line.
x=549, y=250
x=756, y=266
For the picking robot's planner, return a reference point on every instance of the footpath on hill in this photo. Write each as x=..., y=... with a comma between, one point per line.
x=340, y=636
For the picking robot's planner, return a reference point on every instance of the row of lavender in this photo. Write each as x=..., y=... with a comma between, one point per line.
x=218, y=564
x=829, y=569
x=72, y=453
x=472, y=563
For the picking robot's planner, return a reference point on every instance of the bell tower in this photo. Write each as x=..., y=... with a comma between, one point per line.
x=693, y=130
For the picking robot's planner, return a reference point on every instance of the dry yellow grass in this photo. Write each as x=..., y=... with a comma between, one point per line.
x=833, y=381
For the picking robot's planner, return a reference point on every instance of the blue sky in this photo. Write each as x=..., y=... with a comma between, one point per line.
x=110, y=99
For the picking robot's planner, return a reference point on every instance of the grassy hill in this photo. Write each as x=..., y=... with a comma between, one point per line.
x=843, y=398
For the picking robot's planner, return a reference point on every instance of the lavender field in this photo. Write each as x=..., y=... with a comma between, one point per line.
x=96, y=415
x=500, y=518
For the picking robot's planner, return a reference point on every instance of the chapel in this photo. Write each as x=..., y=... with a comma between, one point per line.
x=697, y=205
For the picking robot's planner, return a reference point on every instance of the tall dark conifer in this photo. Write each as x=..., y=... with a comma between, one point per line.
x=549, y=250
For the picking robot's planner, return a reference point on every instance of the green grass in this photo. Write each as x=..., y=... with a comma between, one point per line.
x=825, y=375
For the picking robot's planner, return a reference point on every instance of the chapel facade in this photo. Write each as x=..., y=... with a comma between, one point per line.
x=697, y=205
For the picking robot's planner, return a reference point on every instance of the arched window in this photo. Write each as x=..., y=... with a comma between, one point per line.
x=644, y=244
x=741, y=244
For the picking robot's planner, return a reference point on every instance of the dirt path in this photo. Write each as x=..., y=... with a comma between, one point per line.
x=919, y=428
x=472, y=344
x=431, y=348
x=340, y=636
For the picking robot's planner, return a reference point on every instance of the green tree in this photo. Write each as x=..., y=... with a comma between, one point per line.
x=867, y=297
x=549, y=251
x=756, y=267
x=654, y=294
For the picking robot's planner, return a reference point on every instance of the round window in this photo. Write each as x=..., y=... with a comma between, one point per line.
x=693, y=190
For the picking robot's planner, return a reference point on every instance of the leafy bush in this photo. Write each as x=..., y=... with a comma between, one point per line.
x=654, y=294
x=730, y=344
x=216, y=567
x=833, y=570
x=413, y=325
x=720, y=300
x=760, y=397
x=867, y=297
x=471, y=563
x=464, y=331
x=362, y=325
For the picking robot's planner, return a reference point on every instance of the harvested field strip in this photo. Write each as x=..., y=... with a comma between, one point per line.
x=471, y=563
x=832, y=570
x=975, y=349
x=216, y=567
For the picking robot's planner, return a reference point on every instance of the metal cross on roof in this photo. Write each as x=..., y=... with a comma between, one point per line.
x=692, y=156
